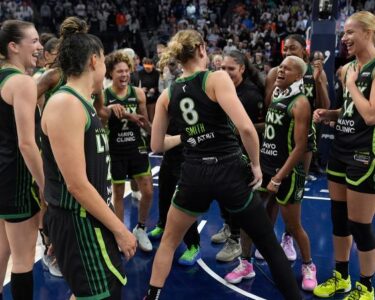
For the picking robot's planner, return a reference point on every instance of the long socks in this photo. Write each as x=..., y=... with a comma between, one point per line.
x=22, y=285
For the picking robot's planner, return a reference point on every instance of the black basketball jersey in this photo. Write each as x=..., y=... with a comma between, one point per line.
x=124, y=136
x=278, y=141
x=15, y=178
x=96, y=156
x=205, y=124
x=309, y=86
x=352, y=136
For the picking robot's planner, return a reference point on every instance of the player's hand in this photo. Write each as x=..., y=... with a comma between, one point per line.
x=352, y=75
x=320, y=115
x=273, y=185
x=318, y=68
x=118, y=110
x=140, y=120
x=126, y=242
x=258, y=176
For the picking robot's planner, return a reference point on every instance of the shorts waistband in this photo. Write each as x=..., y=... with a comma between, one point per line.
x=213, y=160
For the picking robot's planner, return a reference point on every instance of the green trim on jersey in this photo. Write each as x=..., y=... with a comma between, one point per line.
x=40, y=71
x=82, y=212
x=169, y=93
x=290, y=106
x=128, y=93
x=35, y=196
x=244, y=206
x=188, y=78
x=147, y=173
x=106, y=258
x=205, y=80
x=364, y=177
x=17, y=72
x=334, y=173
x=290, y=192
x=96, y=297
x=73, y=92
x=290, y=136
x=90, y=255
x=190, y=213
x=118, y=181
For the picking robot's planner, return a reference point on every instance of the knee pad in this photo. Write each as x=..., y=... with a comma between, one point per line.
x=363, y=235
x=339, y=215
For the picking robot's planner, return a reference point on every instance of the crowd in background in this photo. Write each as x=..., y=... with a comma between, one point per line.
x=251, y=26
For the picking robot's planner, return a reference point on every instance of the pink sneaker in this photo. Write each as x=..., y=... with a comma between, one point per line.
x=243, y=270
x=287, y=245
x=308, y=277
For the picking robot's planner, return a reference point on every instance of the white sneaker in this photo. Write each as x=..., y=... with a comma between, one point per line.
x=136, y=195
x=258, y=255
x=222, y=235
x=231, y=250
x=142, y=238
x=288, y=247
x=50, y=263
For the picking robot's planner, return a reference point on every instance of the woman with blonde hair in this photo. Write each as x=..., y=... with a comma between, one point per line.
x=351, y=164
x=199, y=103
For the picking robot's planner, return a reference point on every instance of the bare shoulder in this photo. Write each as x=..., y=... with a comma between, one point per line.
x=139, y=92
x=20, y=84
x=62, y=103
x=216, y=78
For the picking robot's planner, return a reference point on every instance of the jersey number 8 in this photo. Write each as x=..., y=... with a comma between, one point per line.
x=188, y=113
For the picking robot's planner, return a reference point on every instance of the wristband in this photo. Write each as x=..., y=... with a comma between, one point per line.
x=275, y=183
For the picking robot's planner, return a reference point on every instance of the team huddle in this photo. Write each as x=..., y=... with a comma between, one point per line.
x=67, y=145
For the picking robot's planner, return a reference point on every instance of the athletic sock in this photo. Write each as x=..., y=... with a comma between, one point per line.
x=153, y=293
x=22, y=285
x=307, y=262
x=343, y=268
x=141, y=225
x=366, y=281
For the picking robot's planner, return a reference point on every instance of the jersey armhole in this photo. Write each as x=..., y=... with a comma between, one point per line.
x=8, y=77
x=70, y=91
x=291, y=104
x=169, y=93
x=205, y=80
x=105, y=98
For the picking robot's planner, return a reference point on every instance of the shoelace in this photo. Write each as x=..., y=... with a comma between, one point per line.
x=307, y=272
x=355, y=294
x=287, y=241
x=332, y=280
x=240, y=267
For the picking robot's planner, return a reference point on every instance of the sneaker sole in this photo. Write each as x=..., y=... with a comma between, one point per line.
x=144, y=249
x=308, y=289
x=344, y=291
x=189, y=263
x=238, y=280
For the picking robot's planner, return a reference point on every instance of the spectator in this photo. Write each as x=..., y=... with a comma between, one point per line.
x=149, y=82
x=229, y=47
